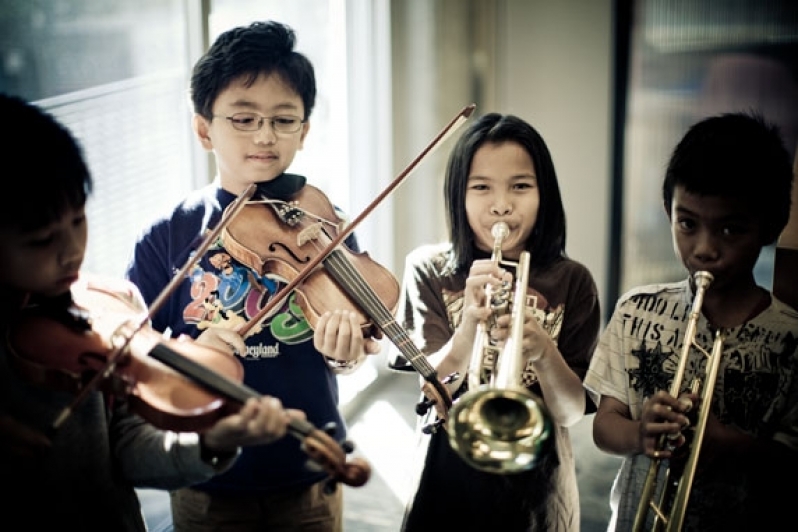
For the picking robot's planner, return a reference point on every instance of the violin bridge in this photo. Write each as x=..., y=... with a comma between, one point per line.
x=309, y=233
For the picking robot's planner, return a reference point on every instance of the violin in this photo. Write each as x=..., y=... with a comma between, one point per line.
x=309, y=251
x=278, y=237
x=98, y=342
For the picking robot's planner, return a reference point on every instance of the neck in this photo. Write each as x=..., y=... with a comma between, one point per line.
x=730, y=307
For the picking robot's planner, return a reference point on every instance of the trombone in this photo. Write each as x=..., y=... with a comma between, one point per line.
x=500, y=427
x=670, y=506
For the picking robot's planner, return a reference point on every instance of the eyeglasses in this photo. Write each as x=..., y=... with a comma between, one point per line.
x=254, y=122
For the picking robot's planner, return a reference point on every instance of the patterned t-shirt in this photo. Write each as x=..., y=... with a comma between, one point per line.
x=450, y=495
x=756, y=388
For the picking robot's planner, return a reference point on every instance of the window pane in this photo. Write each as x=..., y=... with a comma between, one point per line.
x=691, y=60
x=115, y=74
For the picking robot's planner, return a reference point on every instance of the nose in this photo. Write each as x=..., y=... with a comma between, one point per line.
x=73, y=250
x=266, y=134
x=501, y=207
x=705, y=248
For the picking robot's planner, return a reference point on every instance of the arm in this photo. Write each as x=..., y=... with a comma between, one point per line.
x=786, y=258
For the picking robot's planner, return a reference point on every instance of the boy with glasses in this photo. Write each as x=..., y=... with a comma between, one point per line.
x=253, y=95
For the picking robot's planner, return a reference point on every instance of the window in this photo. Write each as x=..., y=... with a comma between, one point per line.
x=690, y=60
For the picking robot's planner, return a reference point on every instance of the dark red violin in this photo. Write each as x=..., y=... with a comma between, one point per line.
x=99, y=342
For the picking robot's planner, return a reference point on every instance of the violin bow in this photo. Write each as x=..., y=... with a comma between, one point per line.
x=434, y=389
x=119, y=348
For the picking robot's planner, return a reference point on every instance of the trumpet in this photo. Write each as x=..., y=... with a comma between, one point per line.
x=670, y=505
x=500, y=427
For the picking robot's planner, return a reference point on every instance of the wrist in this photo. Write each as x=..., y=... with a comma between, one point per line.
x=213, y=457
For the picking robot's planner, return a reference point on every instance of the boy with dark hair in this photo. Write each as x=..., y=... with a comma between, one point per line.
x=253, y=95
x=727, y=195
x=82, y=475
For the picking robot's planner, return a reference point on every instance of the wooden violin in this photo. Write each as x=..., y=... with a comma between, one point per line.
x=277, y=237
x=174, y=384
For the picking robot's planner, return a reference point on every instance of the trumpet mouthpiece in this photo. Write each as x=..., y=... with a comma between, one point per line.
x=499, y=231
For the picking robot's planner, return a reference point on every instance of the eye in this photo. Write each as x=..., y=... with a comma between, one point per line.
x=685, y=224
x=286, y=121
x=40, y=240
x=79, y=220
x=244, y=119
x=734, y=230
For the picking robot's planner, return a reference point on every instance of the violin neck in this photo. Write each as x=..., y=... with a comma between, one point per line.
x=350, y=280
x=203, y=376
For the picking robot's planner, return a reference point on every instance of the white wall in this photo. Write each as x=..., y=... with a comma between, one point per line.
x=553, y=68
x=556, y=71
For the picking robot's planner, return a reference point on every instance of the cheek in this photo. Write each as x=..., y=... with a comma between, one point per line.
x=17, y=271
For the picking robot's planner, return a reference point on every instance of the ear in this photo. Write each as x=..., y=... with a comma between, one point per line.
x=202, y=128
x=303, y=134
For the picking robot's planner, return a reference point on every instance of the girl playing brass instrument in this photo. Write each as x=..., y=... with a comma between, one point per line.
x=727, y=195
x=500, y=170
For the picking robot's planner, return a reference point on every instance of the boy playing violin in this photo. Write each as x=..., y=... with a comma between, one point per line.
x=253, y=95
x=81, y=476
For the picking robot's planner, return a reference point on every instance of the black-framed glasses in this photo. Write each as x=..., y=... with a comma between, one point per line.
x=254, y=122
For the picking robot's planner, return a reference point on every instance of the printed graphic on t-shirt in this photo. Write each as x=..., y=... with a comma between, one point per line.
x=228, y=294
x=751, y=376
x=550, y=319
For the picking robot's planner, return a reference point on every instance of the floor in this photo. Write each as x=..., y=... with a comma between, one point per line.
x=381, y=423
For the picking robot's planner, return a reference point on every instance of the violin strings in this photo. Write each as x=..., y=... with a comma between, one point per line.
x=348, y=275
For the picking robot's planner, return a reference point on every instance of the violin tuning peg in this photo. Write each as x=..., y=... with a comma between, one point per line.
x=347, y=446
x=330, y=428
x=423, y=406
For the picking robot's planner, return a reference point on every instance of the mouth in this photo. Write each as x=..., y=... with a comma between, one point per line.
x=262, y=157
x=69, y=278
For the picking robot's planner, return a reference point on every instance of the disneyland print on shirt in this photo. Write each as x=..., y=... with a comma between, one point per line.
x=228, y=294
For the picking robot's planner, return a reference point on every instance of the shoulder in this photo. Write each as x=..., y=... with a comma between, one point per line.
x=567, y=268
x=429, y=256
x=678, y=289
x=782, y=310
x=199, y=204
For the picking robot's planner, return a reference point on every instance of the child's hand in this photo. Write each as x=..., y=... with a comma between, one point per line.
x=483, y=273
x=535, y=340
x=20, y=440
x=664, y=414
x=223, y=339
x=259, y=421
x=338, y=336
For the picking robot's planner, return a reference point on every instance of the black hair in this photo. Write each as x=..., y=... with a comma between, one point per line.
x=735, y=155
x=246, y=52
x=547, y=240
x=50, y=174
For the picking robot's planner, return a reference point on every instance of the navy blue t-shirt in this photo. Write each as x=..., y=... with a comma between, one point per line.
x=221, y=291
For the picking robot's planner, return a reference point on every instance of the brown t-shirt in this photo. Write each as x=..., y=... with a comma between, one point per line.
x=565, y=300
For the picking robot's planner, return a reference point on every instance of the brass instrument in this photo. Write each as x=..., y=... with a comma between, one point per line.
x=670, y=506
x=500, y=427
